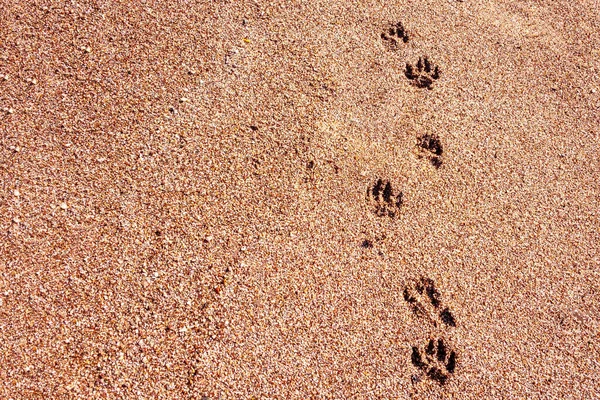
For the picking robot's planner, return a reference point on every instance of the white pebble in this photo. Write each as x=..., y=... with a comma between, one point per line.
x=63, y=205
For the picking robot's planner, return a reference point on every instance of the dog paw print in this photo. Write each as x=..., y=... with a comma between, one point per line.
x=423, y=74
x=424, y=300
x=394, y=34
x=435, y=359
x=386, y=201
x=432, y=147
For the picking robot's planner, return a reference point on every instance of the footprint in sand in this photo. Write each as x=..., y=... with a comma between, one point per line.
x=393, y=35
x=434, y=356
x=385, y=200
x=424, y=300
x=435, y=359
x=431, y=147
x=423, y=74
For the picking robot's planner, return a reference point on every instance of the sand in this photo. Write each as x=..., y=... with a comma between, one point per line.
x=189, y=204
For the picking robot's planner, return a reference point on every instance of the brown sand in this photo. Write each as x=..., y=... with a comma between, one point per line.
x=183, y=199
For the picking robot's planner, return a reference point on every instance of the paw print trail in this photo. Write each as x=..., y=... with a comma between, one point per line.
x=436, y=358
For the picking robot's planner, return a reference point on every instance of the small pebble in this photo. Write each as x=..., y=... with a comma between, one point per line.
x=63, y=205
x=17, y=220
x=184, y=99
x=16, y=192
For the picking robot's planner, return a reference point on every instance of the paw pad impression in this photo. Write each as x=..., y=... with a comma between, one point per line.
x=386, y=201
x=437, y=360
x=423, y=74
x=394, y=34
x=432, y=147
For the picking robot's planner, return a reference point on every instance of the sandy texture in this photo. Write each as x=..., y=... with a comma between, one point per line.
x=189, y=204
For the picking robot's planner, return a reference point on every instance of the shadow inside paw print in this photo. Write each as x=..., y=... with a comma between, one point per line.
x=423, y=293
x=386, y=202
x=437, y=361
x=432, y=146
x=423, y=74
x=394, y=34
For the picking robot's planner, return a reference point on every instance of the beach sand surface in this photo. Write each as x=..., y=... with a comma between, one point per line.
x=190, y=207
